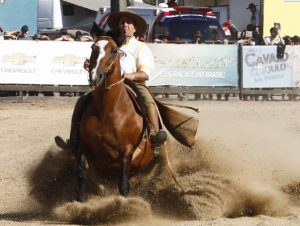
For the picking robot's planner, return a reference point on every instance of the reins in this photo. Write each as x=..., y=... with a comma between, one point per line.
x=105, y=72
x=116, y=83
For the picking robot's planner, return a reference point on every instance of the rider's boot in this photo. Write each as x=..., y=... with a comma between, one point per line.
x=69, y=145
x=72, y=143
x=157, y=136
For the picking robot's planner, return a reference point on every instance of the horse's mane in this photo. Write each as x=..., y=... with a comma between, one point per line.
x=108, y=38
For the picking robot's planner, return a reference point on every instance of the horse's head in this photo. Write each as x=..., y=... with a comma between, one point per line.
x=104, y=59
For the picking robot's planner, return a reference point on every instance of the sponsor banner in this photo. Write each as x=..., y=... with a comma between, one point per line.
x=194, y=65
x=262, y=68
x=43, y=62
x=293, y=62
x=61, y=63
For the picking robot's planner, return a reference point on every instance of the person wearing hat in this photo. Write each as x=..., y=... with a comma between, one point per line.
x=172, y=3
x=137, y=64
x=164, y=38
x=274, y=38
x=197, y=39
x=255, y=15
x=24, y=35
x=230, y=30
x=64, y=35
x=11, y=35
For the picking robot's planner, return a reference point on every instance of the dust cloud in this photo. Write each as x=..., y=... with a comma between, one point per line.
x=111, y=209
x=236, y=168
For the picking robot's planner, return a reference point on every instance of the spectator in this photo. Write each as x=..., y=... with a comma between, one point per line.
x=41, y=37
x=172, y=3
x=230, y=30
x=296, y=40
x=164, y=38
x=24, y=35
x=64, y=36
x=83, y=37
x=257, y=37
x=11, y=35
x=251, y=36
x=36, y=37
x=1, y=34
x=1, y=31
x=177, y=40
x=274, y=38
x=287, y=40
x=255, y=15
x=246, y=40
x=45, y=37
x=141, y=38
x=197, y=38
x=214, y=38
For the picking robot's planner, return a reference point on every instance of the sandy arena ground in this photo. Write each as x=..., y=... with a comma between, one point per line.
x=243, y=170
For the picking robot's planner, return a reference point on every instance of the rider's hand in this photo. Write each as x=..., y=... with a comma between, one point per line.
x=130, y=76
x=86, y=64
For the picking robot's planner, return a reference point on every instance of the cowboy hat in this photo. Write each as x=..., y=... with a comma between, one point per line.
x=139, y=23
x=251, y=5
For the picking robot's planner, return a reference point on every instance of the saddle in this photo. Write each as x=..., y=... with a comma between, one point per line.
x=181, y=126
x=136, y=97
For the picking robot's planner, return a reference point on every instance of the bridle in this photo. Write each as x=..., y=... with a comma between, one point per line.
x=105, y=72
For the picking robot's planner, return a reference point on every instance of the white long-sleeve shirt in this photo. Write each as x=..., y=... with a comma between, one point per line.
x=136, y=56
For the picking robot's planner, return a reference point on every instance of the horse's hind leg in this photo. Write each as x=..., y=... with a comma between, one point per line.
x=81, y=174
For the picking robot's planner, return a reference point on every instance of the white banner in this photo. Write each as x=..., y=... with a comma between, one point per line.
x=43, y=62
x=293, y=62
x=262, y=68
x=61, y=63
x=194, y=65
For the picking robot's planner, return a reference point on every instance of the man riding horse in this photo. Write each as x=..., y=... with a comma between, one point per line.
x=136, y=64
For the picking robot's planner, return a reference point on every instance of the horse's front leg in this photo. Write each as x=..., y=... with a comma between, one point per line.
x=81, y=174
x=126, y=156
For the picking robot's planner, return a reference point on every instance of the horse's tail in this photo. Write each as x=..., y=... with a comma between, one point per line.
x=166, y=152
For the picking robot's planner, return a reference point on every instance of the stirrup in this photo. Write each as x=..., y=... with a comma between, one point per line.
x=159, y=138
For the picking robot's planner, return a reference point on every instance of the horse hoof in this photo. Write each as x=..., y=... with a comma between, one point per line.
x=124, y=189
x=81, y=198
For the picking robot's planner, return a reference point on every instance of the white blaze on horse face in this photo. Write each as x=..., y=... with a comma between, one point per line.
x=97, y=72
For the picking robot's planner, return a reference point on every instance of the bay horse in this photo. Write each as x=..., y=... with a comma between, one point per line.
x=112, y=132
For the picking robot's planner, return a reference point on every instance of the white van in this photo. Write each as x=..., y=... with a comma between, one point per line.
x=56, y=14
x=49, y=14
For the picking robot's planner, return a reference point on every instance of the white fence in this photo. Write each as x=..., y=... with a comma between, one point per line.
x=191, y=67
